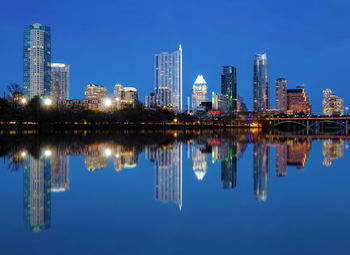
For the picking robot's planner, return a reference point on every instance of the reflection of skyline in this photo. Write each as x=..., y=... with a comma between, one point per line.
x=48, y=173
x=167, y=172
x=199, y=162
x=261, y=154
x=37, y=193
x=332, y=150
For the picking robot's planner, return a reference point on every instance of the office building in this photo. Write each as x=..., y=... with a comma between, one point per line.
x=281, y=94
x=168, y=74
x=129, y=98
x=332, y=104
x=229, y=86
x=220, y=102
x=59, y=81
x=36, y=60
x=95, y=92
x=261, y=84
x=199, y=92
x=298, y=101
x=117, y=92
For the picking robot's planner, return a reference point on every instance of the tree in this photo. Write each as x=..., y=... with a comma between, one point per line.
x=13, y=89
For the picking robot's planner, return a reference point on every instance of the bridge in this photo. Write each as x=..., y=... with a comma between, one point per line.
x=309, y=125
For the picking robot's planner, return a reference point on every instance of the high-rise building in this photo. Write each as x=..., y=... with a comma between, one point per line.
x=332, y=104
x=261, y=153
x=220, y=102
x=229, y=86
x=298, y=101
x=37, y=192
x=163, y=97
x=261, y=84
x=199, y=92
x=118, y=91
x=129, y=97
x=281, y=94
x=168, y=73
x=59, y=81
x=95, y=92
x=36, y=60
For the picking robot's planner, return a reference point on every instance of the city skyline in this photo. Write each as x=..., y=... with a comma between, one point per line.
x=296, y=70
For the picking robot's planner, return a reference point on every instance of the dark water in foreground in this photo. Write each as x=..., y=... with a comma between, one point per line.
x=174, y=193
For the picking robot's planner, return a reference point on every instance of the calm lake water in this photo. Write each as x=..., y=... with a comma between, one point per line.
x=232, y=192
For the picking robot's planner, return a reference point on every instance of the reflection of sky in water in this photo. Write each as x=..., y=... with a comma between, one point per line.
x=128, y=191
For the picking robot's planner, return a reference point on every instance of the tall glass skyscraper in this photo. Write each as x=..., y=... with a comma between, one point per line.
x=168, y=74
x=59, y=81
x=36, y=60
x=229, y=86
x=261, y=91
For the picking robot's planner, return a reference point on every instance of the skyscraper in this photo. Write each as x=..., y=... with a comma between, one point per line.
x=95, y=92
x=298, y=101
x=59, y=81
x=168, y=73
x=281, y=94
x=261, y=83
x=36, y=60
x=229, y=86
x=332, y=104
x=199, y=92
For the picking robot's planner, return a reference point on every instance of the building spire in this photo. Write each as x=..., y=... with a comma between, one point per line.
x=180, y=48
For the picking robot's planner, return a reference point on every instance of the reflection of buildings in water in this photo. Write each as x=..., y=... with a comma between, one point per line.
x=219, y=150
x=261, y=153
x=281, y=160
x=241, y=147
x=229, y=167
x=59, y=172
x=95, y=162
x=297, y=153
x=96, y=157
x=168, y=172
x=332, y=150
x=37, y=192
x=125, y=157
x=199, y=162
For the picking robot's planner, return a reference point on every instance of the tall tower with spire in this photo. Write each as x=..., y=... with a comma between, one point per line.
x=168, y=74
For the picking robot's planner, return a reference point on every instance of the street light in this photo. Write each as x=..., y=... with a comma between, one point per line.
x=23, y=100
x=47, y=101
x=108, y=102
x=47, y=153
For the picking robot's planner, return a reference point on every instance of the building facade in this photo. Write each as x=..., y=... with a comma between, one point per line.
x=332, y=104
x=168, y=74
x=95, y=92
x=117, y=92
x=129, y=98
x=229, y=86
x=36, y=60
x=199, y=92
x=220, y=102
x=298, y=101
x=261, y=84
x=59, y=81
x=281, y=94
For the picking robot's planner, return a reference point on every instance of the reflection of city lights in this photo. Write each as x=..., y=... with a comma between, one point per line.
x=346, y=146
x=108, y=102
x=47, y=101
x=175, y=120
x=47, y=153
x=108, y=152
x=23, y=154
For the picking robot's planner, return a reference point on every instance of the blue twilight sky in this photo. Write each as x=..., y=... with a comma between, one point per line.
x=106, y=42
